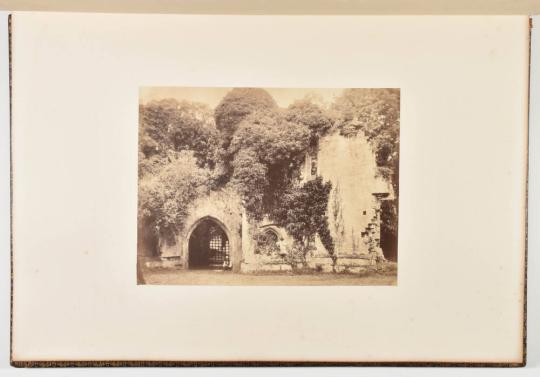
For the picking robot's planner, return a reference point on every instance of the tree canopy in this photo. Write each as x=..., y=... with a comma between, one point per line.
x=170, y=125
x=165, y=195
x=236, y=105
x=307, y=113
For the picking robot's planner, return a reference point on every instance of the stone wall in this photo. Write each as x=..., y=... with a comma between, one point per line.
x=353, y=209
x=224, y=208
x=320, y=263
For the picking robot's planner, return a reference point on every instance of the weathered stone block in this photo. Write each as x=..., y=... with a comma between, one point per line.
x=357, y=269
x=163, y=263
x=353, y=261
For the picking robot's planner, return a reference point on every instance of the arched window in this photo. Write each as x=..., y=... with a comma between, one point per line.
x=267, y=243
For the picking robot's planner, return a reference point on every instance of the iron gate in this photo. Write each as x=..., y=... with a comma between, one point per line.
x=209, y=247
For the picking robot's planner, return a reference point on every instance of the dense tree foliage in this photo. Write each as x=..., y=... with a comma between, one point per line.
x=249, y=179
x=178, y=154
x=307, y=113
x=303, y=213
x=236, y=105
x=165, y=195
x=276, y=144
x=169, y=125
x=274, y=139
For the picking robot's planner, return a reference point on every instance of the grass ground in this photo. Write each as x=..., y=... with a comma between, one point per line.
x=161, y=276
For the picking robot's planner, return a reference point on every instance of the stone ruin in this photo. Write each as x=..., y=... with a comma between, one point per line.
x=218, y=234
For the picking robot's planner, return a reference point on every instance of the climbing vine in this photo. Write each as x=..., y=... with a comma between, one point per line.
x=303, y=213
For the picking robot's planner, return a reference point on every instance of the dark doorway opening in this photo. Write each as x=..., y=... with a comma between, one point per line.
x=209, y=247
x=389, y=229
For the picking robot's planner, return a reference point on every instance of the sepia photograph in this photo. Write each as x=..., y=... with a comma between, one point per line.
x=268, y=186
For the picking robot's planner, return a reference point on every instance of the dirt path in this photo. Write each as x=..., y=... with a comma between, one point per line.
x=205, y=277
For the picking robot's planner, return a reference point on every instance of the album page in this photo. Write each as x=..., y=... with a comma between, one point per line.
x=271, y=189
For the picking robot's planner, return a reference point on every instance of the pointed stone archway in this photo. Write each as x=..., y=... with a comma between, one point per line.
x=208, y=246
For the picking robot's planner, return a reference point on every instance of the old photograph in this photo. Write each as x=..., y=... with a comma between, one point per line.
x=268, y=186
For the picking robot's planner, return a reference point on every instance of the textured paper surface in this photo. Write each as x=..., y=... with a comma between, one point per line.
x=463, y=87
